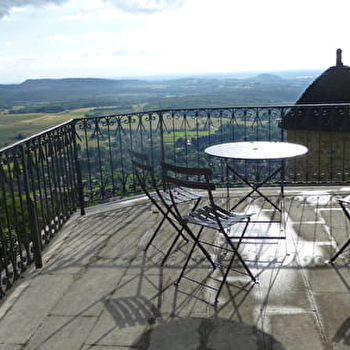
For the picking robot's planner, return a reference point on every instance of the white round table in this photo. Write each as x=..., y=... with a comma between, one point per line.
x=256, y=150
x=259, y=151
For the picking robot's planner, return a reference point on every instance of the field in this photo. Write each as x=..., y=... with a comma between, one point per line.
x=15, y=127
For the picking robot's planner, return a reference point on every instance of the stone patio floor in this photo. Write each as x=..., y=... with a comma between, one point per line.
x=100, y=290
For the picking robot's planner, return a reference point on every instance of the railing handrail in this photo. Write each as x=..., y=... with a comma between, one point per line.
x=29, y=138
x=287, y=106
x=193, y=109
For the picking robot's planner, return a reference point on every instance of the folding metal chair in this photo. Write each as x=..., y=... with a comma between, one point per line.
x=160, y=198
x=210, y=216
x=344, y=203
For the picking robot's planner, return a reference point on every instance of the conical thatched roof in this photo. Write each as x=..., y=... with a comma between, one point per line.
x=332, y=86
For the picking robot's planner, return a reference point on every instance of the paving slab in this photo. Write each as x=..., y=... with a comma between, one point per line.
x=112, y=331
x=296, y=330
x=10, y=347
x=31, y=309
x=86, y=296
x=58, y=332
x=329, y=279
x=334, y=309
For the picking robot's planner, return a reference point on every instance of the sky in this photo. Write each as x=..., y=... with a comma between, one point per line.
x=132, y=38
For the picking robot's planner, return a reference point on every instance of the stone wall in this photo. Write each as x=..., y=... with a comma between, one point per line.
x=328, y=158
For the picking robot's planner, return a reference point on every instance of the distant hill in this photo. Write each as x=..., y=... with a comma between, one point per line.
x=175, y=93
x=268, y=78
x=61, y=90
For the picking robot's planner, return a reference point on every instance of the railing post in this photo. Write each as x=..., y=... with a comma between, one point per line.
x=33, y=217
x=78, y=170
x=161, y=127
x=34, y=230
x=282, y=113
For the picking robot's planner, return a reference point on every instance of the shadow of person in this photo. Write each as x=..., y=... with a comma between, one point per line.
x=343, y=333
x=205, y=334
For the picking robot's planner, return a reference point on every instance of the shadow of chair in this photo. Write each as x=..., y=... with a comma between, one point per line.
x=131, y=311
x=210, y=216
x=161, y=199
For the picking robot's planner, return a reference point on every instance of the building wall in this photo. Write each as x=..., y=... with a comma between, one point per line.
x=328, y=158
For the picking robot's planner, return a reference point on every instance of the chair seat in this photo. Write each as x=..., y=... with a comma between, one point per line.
x=345, y=200
x=206, y=216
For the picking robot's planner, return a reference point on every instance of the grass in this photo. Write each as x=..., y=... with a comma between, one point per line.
x=170, y=137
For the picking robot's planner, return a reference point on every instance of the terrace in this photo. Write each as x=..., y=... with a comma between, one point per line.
x=74, y=223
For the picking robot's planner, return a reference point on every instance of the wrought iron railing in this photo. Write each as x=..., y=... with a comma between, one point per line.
x=47, y=177
x=39, y=178
x=179, y=136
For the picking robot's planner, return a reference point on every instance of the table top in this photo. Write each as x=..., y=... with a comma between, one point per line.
x=256, y=150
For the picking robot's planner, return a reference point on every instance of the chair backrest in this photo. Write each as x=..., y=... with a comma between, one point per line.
x=144, y=172
x=192, y=178
x=195, y=178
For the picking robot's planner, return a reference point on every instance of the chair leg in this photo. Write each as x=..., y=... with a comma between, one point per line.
x=180, y=233
x=235, y=253
x=340, y=251
x=155, y=233
x=224, y=279
x=226, y=274
x=348, y=242
x=165, y=216
x=170, y=249
x=204, y=251
x=195, y=243
x=185, y=266
x=235, y=250
x=246, y=267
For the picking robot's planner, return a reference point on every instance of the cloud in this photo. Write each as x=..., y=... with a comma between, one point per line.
x=150, y=6
x=128, y=6
x=7, y=5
